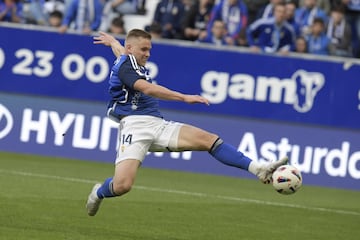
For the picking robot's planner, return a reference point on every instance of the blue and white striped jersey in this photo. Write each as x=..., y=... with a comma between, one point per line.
x=125, y=100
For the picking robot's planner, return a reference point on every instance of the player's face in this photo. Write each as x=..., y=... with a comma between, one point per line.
x=140, y=48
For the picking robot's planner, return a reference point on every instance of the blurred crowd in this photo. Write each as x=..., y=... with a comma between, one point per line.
x=322, y=27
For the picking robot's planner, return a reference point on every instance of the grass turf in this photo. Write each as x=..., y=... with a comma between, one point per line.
x=44, y=198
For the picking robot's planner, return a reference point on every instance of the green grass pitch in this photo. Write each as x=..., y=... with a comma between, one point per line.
x=44, y=198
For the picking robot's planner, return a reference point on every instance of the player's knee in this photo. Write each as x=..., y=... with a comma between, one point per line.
x=212, y=140
x=215, y=144
x=122, y=187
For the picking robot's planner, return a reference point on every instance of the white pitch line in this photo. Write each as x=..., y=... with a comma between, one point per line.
x=196, y=194
x=248, y=200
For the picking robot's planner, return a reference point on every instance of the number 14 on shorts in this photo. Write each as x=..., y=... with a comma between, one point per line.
x=125, y=140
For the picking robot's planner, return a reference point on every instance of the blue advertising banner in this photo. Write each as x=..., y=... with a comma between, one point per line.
x=238, y=83
x=80, y=130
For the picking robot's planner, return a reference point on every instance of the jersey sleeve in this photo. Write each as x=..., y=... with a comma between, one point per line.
x=129, y=72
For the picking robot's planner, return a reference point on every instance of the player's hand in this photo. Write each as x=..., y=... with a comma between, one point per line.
x=196, y=99
x=104, y=38
x=110, y=41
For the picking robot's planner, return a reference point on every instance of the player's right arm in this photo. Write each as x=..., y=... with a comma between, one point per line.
x=164, y=93
x=110, y=41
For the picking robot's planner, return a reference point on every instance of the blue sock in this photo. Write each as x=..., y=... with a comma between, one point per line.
x=228, y=155
x=106, y=189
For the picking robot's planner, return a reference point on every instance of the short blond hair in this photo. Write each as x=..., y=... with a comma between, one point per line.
x=138, y=33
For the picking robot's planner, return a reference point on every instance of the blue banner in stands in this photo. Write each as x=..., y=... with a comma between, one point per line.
x=284, y=88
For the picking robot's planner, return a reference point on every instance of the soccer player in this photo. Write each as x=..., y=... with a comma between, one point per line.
x=134, y=104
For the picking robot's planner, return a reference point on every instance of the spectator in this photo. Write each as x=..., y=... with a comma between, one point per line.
x=155, y=31
x=324, y=5
x=168, y=14
x=268, y=10
x=253, y=7
x=234, y=14
x=55, y=5
x=196, y=19
x=188, y=4
x=273, y=34
x=317, y=41
x=290, y=8
x=305, y=15
x=339, y=31
x=39, y=10
x=115, y=8
x=122, y=6
x=141, y=7
x=55, y=19
x=218, y=34
x=301, y=45
x=35, y=14
x=84, y=16
x=52, y=5
x=353, y=17
x=241, y=40
x=117, y=26
x=11, y=11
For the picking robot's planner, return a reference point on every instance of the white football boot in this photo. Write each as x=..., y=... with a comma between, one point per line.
x=93, y=202
x=265, y=171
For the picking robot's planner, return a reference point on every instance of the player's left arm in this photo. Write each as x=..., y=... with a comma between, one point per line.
x=110, y=41
x=164, y=93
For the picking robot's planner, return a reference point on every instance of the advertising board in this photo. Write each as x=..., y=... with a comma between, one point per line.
x=80, y=130
x=237, y=83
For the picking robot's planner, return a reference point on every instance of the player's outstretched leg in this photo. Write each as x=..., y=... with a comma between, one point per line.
x=93, y=202
x=229, y=155
x=265, y=171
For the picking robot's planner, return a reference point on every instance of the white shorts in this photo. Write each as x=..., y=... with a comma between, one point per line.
x=139, y=135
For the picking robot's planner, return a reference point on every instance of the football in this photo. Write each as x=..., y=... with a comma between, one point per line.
x=287, y=179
